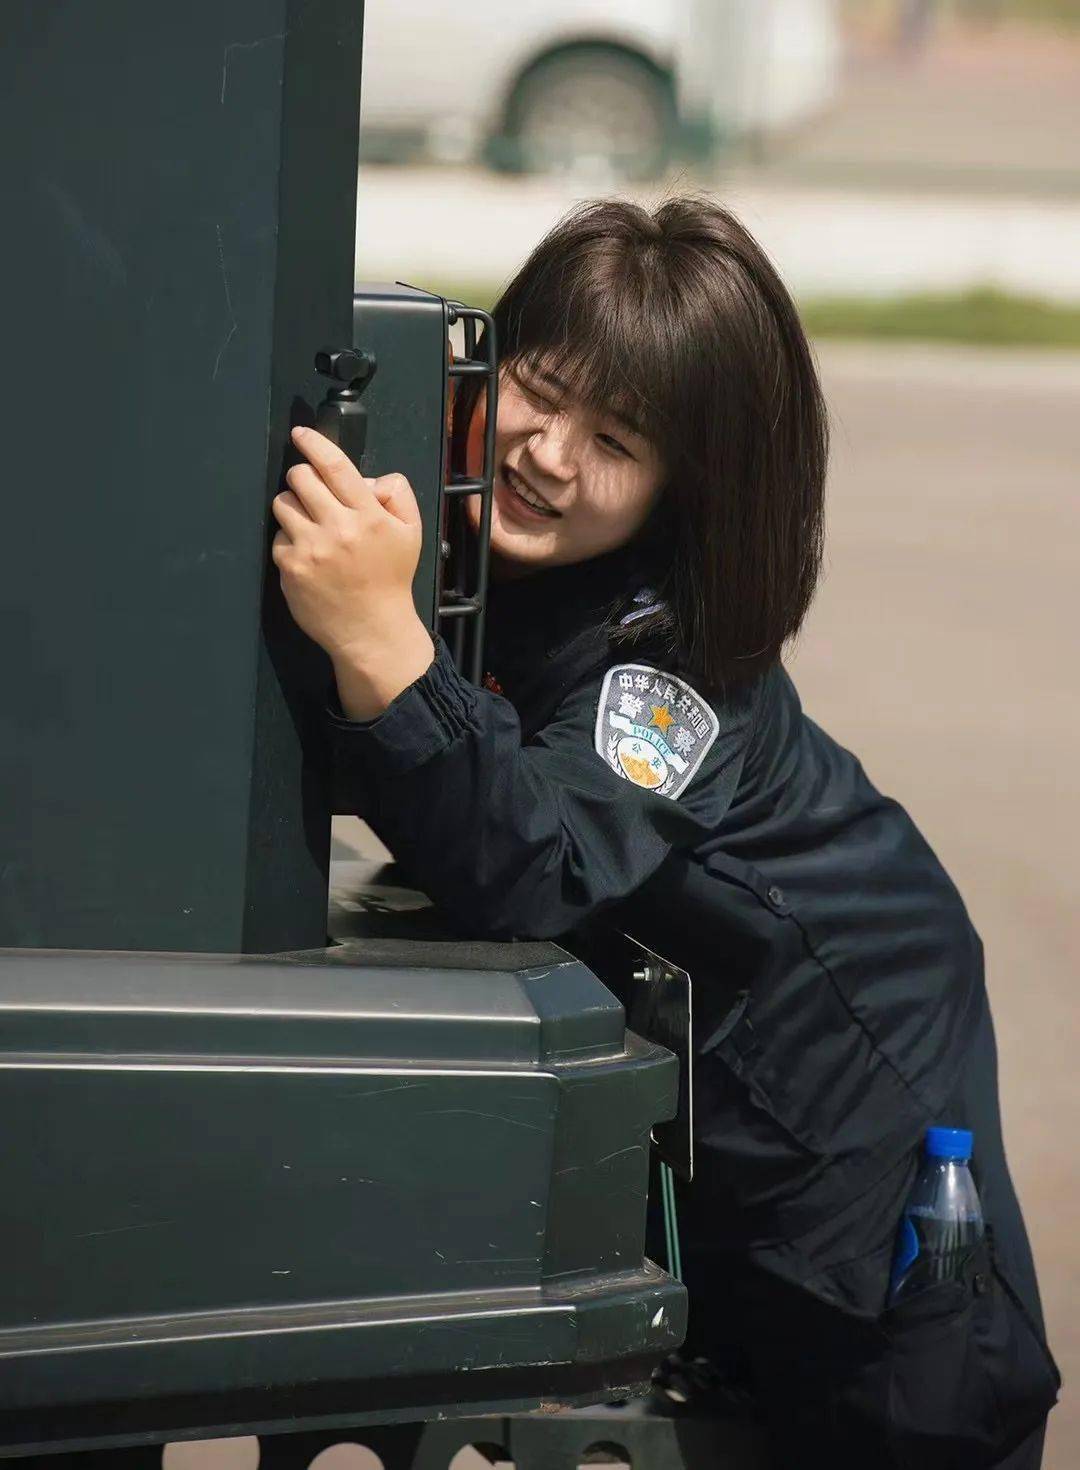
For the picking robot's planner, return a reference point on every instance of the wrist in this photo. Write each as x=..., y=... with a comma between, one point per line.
x=372, y=674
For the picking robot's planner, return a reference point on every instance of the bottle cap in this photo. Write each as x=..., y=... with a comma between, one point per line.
x=949, y=1143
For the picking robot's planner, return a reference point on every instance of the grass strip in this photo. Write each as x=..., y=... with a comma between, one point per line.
x=982, y=318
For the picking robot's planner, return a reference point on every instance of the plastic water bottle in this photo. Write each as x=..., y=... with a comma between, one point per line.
x=942, y=1221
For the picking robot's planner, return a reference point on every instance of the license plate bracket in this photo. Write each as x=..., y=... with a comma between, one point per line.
x=658, y=999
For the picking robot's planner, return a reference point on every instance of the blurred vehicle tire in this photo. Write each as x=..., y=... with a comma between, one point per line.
x=589, y=109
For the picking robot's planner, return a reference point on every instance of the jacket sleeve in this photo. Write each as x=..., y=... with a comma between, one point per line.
x=515, y=839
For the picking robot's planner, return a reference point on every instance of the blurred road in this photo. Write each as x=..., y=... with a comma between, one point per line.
x=942, y=649
x=466, y=227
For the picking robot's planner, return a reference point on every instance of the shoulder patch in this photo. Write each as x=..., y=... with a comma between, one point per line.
x=652, y=728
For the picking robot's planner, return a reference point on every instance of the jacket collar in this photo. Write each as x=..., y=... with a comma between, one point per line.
x=548, y=608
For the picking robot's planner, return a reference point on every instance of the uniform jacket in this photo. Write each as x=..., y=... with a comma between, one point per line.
x=836, y=973
x=832, y=959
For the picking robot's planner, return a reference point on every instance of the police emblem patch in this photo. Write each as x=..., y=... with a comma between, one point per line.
x=652, y=728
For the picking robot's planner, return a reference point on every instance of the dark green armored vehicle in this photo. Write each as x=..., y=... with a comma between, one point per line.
x=280, y=1151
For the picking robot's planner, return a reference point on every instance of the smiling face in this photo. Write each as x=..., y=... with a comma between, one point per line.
x=570, y=483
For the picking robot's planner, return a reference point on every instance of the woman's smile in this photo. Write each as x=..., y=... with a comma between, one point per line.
x=517, y=497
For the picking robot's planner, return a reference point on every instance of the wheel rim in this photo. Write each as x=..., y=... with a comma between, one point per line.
x=592, y=119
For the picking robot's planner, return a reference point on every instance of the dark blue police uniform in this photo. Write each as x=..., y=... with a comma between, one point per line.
x=840, y=1007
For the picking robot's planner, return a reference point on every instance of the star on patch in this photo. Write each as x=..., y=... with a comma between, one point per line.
x=661, y=717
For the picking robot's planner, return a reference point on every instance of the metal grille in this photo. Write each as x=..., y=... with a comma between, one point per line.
x=461, y=606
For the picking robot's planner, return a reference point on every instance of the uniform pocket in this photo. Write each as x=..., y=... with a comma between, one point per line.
x=966, y=1376
x=751, y=1157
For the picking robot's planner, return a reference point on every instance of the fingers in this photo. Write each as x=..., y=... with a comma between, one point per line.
x=395, y=494
x=311, y=491
x=289, y=511
x=330, y=479
x=335, y=468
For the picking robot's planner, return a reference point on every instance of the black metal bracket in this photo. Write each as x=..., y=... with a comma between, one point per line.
x=341, y=416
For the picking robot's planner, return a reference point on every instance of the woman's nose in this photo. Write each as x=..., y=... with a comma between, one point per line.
x=553, y=450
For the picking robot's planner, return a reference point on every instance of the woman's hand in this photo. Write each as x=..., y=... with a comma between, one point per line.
x=347, y=552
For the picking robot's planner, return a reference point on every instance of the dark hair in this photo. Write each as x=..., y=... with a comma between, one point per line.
x=676, y=320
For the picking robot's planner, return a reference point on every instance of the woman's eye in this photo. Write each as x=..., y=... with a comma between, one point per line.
x=612, y=443
x=536, y=397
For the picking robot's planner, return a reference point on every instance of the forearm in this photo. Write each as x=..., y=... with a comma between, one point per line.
x=510, y=856
x=369, y=678
x=512, y=839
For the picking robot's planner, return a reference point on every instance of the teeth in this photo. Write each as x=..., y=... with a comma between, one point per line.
x=529, y=496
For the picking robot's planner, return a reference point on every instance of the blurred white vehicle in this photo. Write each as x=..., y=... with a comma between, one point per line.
x=624, y=85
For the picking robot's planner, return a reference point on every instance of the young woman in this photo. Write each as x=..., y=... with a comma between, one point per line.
x=640, y=760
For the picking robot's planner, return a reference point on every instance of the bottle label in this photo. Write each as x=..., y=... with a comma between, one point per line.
x=907, y=1251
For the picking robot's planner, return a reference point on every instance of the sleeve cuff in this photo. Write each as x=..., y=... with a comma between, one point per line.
x=422, y=721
